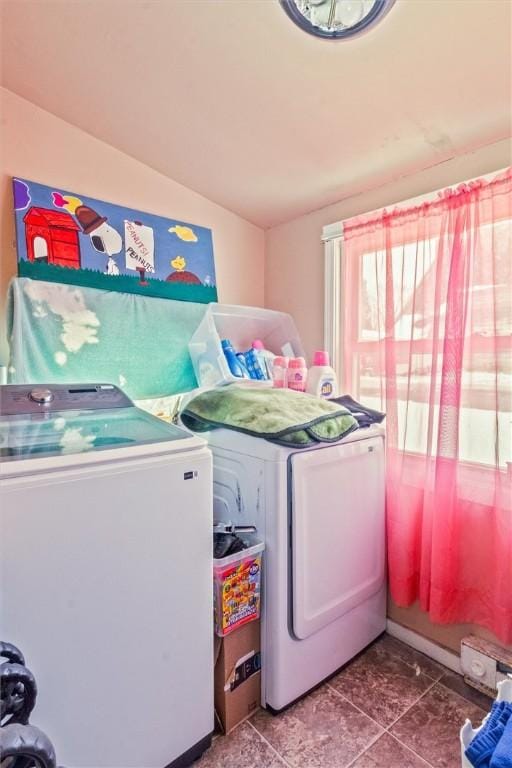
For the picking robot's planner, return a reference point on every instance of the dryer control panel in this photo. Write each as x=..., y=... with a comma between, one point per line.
x=17, y=399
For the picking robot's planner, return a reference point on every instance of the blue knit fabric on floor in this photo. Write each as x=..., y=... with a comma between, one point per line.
x=482, y=748
x=502, y=757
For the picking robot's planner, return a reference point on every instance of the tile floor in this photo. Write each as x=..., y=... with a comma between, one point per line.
x=391, y=707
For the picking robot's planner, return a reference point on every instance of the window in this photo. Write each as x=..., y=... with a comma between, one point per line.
x=424, y=321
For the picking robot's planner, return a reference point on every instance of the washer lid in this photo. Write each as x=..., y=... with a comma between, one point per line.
x=60, y=433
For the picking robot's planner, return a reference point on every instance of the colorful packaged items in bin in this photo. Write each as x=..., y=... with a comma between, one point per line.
x=253, y=364
x=237, y=589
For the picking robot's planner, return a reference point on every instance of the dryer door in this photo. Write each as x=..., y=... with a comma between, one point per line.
x=337, y=531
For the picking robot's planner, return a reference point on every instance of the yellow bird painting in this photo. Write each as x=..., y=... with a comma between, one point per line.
x=178, y=263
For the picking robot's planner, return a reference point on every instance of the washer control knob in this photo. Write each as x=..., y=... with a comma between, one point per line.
x=41, y=396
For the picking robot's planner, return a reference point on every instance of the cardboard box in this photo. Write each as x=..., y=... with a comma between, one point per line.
x=237, y=675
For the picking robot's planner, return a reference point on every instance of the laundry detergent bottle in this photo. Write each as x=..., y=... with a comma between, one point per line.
x=297, y=374
x=322, y=380
x=280, y=372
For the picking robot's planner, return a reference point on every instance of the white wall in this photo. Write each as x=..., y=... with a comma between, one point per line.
x=37, y=145
x=294, y=273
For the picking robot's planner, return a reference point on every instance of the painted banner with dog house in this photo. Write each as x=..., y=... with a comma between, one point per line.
x=68, y=237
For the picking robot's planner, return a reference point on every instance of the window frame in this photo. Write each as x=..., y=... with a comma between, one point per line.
x=332, y=239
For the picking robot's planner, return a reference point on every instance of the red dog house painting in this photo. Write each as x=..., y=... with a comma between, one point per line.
x=52, y=237
x=64, y=237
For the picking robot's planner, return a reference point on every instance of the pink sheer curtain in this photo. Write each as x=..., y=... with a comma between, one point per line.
x=427, y=337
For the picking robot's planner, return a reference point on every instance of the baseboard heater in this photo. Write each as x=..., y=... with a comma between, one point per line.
x=484, y=664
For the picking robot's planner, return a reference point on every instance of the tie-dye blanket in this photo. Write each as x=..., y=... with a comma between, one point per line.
x=64, y=333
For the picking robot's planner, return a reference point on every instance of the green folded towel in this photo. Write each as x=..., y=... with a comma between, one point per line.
x=282, y=416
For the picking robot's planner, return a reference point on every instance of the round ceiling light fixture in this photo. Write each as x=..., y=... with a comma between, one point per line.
x=336, y=19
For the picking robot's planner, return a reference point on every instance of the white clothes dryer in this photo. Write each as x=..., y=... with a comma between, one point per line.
x=320, y=512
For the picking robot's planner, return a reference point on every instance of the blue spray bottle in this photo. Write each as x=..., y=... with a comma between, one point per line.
x=232, y=360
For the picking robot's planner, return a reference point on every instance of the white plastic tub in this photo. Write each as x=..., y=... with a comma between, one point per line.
x=241, y=325
x=467, y=732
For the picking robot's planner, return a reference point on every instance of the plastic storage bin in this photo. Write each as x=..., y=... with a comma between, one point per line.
x=467, y=732
x=241, y=325
x=237, y=588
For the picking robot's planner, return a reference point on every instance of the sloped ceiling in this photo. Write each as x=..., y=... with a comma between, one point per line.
x=231, y=99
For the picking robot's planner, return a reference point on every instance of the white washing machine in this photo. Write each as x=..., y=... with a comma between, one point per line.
x=320, y=512
x=106, y=574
